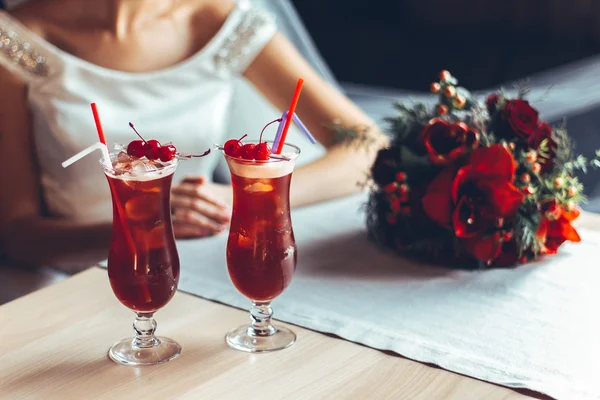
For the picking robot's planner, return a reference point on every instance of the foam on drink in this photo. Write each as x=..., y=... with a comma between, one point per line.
x=263, y=169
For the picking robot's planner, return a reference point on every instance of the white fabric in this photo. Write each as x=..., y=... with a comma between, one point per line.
x=186, y=104
x=534, y=327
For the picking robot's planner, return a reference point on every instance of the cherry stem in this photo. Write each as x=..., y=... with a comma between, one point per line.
x=266, y=126
x=137, y=133
x=240, y=139
x=207, y=152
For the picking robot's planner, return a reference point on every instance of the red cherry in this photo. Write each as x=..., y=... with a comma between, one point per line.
x=232, y=147
x=247, y=151
x=152, y=148
x=167, y=153
x=137, y=149
x=262, y=152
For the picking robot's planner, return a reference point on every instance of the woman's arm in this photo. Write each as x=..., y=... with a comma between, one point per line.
x=25, y=236
x=275, y=72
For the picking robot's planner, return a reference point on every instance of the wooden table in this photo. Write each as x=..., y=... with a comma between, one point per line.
x=54, y=342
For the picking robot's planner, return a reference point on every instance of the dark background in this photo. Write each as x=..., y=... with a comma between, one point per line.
x=403, y=43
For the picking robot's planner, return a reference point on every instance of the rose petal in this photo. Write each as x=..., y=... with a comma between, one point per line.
x=463, y=176
x=484, y=249
x=504, y=197
x=464, y=211
x=572, y=215
x=562, y=228
x=437, y=201
x=493, y=161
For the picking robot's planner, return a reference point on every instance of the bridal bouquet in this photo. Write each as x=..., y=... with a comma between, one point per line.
x=467, y=184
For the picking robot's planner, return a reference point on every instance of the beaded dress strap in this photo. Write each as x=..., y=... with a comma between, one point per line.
x=251, y=34
x=19, y=52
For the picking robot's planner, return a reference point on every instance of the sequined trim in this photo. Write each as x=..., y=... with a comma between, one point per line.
x=236, y=47
x=20, y=52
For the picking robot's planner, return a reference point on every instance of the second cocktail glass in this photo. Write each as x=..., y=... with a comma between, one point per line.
x=261, y=249
x=143, y=264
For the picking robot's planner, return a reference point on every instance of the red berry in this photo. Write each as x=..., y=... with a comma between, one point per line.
x=401, y=176
x=167, y=153
x=152, y=148
x=262, y=152
x=136, y=148
x=389, y=188
x=247, y=151
x=395, y=206
x=232, y=147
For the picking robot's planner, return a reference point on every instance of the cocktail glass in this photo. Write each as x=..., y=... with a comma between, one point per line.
x=261, y=250
x=143, y=264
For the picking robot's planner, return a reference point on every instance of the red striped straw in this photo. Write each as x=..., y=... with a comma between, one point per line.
x=98, y=124
x=288, y=120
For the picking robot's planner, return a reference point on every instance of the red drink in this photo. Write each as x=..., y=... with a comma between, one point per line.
x=143, y=264
x=261, y=251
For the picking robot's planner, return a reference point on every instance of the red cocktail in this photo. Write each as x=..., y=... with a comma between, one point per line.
x=261, y=250
x=143, y=264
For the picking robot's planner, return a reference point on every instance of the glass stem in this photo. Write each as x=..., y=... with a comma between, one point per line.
x=144, y=326
x=261, y=314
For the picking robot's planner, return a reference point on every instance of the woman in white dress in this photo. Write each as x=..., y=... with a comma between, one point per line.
x=169, y=66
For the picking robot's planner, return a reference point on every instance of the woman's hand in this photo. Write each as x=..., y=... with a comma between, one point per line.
x=200, y=208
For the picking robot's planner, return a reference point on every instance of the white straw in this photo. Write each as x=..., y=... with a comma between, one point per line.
x=96, y=146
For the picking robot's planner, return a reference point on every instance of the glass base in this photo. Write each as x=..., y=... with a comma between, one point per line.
x=240, y=339
x=125, y=353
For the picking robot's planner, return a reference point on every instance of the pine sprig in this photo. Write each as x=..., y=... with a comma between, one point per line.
x=526, y=227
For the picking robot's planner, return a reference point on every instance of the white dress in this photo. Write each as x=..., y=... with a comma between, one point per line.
x=187, y=104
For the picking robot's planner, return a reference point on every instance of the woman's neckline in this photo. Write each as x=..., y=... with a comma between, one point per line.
x=212, y=44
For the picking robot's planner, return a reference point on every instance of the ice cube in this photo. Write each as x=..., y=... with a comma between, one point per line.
x=156, y=238
x=144, y=207
x=123, y=157
x=258, y=187
x=142, y=166
x=245, y=242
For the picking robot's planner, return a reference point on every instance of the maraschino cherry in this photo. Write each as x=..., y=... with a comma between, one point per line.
x=153, y=150
x=262, y=152
x=233, y=147
x=137, y=148
x=167, y=153
x=249, y=151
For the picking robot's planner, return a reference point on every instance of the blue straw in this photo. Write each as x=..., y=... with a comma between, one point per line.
x=304, y=129
x=298, y=122
x=279, y=130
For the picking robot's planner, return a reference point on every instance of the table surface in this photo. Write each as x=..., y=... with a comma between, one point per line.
x=54, y=342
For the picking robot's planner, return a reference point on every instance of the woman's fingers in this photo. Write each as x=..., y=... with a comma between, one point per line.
x=209, y=210
x=188, y=216
x=200, y=192
x=183, y=231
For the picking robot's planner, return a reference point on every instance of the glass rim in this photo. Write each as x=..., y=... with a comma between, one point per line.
x=294, y=156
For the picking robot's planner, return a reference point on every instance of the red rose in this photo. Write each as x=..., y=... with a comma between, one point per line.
x=471, y=200
x=446, y=142
x=519, y=118
x=509, y=255
x=544, y=132
x=553, y=232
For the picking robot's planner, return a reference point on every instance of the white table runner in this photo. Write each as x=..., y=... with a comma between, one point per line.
x=535, y=327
